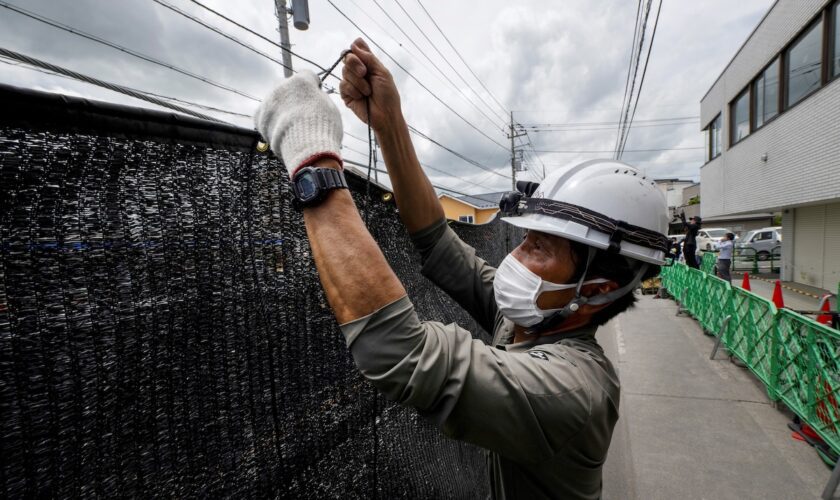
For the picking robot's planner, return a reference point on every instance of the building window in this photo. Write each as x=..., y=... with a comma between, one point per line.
x=804, y=65
x=835, y=46
x=766, y=92
x=465, y=218
x=740, y=111
x=713, y=135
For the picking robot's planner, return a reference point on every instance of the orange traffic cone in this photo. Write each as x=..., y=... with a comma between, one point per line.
x=825, y=318
x=777, y=296
x=746, y=283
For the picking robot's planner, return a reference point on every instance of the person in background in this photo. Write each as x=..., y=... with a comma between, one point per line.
x=690, y=241
x=724, y=262
x=676, y=250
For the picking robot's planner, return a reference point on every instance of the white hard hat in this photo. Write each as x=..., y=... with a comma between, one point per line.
x=605, y=204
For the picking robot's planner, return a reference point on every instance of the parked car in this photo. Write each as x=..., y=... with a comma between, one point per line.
x=763, y=241
x=709, y=238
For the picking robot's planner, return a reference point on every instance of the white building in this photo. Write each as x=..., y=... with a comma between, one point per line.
x=772, y=122
x=673, y=191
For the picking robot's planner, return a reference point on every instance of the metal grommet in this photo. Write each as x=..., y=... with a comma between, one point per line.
x=574, y=307
x=386, y=197
x=262, y=147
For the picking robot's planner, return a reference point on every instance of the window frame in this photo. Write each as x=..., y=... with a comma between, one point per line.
x=779, y=95
x=833, y=17
x=469, y=219
x=710, y=139
x=786, y=59
x=829, y=16
x=732, y=124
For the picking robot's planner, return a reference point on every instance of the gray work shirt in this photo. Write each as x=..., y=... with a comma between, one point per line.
x=544, y=409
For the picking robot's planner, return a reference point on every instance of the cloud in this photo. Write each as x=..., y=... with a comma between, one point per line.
x=549, y=62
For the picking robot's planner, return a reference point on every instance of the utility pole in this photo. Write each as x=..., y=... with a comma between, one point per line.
x=513, y=135
x=283, y=19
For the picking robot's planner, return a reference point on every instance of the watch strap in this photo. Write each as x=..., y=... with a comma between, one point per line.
x=331, y=178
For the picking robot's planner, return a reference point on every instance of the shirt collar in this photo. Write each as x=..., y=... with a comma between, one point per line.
x=505, y=338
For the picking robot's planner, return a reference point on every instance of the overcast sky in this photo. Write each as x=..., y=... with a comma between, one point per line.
x=561, y=61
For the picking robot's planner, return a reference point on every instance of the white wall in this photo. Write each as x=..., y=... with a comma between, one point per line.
x=816, y=246
x=802, y=145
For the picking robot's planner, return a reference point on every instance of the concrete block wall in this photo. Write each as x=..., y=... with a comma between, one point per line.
x=802, y=145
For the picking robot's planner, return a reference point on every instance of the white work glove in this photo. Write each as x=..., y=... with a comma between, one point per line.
x=300, y=123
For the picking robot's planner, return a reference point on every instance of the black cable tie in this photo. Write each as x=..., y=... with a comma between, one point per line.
x=616, y=237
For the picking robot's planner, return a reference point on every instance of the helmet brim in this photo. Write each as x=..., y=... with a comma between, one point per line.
x=586, y=235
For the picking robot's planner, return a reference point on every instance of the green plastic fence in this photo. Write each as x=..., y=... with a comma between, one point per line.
x=797, y=358
x=707, y=263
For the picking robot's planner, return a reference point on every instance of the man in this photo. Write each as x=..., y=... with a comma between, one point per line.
x=724, y=261
x=690, y=242
x=543, y=399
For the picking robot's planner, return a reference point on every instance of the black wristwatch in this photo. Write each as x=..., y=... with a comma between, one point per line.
x=311, y=185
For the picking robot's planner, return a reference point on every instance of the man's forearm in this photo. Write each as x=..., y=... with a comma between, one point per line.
x=419, y=205
x=355, y=275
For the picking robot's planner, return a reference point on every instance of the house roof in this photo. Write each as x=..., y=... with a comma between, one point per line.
x=481, y=201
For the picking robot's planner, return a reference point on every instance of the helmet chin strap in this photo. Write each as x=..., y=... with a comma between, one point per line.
x=557, y=319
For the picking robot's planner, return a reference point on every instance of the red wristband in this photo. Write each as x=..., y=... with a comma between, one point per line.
x=318, y=156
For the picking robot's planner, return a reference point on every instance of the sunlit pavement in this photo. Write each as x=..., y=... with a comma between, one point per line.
x=691, y=427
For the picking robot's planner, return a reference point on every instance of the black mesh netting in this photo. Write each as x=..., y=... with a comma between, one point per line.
x=163, y=332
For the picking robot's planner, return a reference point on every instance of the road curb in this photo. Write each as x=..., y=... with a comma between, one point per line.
x=786, y=287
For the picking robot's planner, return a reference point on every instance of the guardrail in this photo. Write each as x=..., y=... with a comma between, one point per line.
x=796, y=358
x=747, y=259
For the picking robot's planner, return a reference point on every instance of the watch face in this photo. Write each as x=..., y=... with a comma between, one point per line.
x=306, y=186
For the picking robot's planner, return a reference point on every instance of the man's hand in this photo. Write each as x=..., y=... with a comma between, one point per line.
x=364, y=77
x=300, y=122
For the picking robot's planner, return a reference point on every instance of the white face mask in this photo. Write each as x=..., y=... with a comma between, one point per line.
x=517, y=290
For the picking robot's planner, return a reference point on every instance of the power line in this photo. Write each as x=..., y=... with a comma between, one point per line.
x=220, y=32
x=356, y=137
x=357, y=164
x=459, y=155
x=461, y=57
x=648, y=120
x=137, y=94
x=535, y=155
x=630, y=64
x=126, y=50
x=642, y=81
x=415, y=78
x=612, y=150
x=423, y=53
x=5, y=60
x=445, y=148
x=258, y=35
x=570, y=129
x=445, y=59
x=157, y=99
x=475, y=183
x=626, y=108
x=423, y=165
x=399, y=43
x=147, y=96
